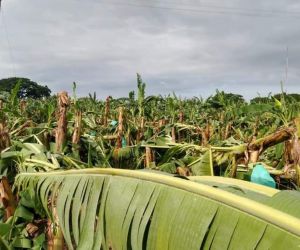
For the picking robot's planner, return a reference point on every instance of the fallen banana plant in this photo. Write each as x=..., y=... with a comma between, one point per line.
x=124, y=209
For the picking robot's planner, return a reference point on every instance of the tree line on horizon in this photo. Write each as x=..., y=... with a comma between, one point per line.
x=34, y=90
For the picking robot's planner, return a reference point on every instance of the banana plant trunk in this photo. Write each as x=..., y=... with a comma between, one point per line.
x=120, y=128
x=258, y=146
x=181, y=119
x=22, y=105
x=173, y=131
x=55, y=238
x=148, y=156
x=4, y=137
x=140, y=133
x=7, y=199
x=106, y=112
x=61, y=130
x=77, y=127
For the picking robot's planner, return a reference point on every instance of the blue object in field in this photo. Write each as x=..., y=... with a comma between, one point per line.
x=124, y=143
x=261, y=176
x=113, y=123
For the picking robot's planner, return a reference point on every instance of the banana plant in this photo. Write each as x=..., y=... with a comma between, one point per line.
x=156, y=211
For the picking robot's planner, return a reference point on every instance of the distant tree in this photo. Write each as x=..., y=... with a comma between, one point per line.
x=28, y=88
x=222, y=99
x=131, y=96
x=260, y=99
x=288, y=97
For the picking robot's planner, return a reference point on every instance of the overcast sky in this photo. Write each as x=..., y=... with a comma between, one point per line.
x=186, y=46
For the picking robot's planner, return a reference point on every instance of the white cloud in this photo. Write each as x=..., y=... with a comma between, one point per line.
x=102, y=46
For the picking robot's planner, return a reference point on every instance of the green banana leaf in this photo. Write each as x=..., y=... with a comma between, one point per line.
x=203, y=165
x=3, y=244
x=123, y=209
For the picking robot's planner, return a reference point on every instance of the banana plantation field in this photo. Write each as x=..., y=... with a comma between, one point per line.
x=149, y=172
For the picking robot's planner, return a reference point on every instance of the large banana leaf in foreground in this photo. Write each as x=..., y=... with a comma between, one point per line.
x=123, y=209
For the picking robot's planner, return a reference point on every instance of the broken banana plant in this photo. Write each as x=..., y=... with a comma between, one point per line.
x=7, y=199
x=61, y=130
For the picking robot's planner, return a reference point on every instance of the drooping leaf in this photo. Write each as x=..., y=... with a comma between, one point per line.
x=203, y=165
x=122, y=209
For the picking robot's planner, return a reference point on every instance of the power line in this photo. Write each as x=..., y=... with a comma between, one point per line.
x=204, y=10
x=255, y=10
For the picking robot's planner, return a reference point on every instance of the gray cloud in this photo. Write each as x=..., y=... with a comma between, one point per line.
x=237, y=46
